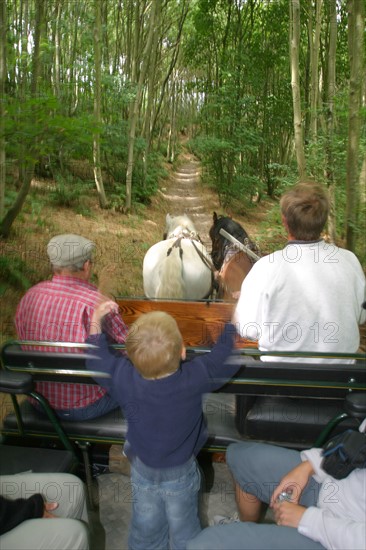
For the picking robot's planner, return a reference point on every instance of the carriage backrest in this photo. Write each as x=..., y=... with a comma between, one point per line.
x=200, y=322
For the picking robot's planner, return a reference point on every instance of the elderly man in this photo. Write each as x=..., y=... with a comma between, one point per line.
x=60, y=310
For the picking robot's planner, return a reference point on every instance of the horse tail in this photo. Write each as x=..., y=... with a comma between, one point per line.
x=171, y=283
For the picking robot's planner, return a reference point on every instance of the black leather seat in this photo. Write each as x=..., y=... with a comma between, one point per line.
x=220, y=414
x=17, y=460
x=294, y=422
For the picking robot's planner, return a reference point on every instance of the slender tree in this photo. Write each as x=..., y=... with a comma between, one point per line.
x=314, y=40
x=356, y=29
x=330, y=115
x=29, y=162
x=295, y=84
x=136, y=104
x=98, y=177
x=2, y=104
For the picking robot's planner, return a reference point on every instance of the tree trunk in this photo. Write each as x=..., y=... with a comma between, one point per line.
x=295, y=84
x=356, y=28
x=2, y=107
x=329, y=174
x=172, y=126
x=147, y=123
x=314, y=69
x=173, y=61
x=135, y=107
x=97, y=106
x=10, y=216
x=57, y=62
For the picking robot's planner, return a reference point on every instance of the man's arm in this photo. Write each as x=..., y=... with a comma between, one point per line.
x=14, y=512
x=336, y=529
x=334, y=533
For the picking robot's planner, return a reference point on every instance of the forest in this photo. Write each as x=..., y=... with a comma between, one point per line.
x=98, y=95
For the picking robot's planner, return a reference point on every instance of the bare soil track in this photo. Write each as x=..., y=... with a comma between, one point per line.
x=185, y=194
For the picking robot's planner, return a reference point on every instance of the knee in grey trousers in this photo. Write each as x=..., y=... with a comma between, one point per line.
x=68, y=531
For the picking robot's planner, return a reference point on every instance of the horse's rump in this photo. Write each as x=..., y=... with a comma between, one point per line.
x=171, y=283
x=173, y=269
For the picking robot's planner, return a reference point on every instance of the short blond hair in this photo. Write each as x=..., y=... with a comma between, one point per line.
x=305, y=208
x=154, y=344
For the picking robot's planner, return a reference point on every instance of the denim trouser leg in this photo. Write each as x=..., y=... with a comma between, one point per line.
x=164, y=506
x=99, y=408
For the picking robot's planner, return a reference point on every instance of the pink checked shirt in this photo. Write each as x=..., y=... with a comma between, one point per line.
x=60, y=310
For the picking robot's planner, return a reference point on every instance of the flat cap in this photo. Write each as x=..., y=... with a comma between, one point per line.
x=67, y=250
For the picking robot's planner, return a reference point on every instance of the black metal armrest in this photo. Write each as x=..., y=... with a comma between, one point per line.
x=15, y=383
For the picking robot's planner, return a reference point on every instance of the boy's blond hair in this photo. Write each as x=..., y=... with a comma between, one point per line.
x=305, y=208
x=154, y=344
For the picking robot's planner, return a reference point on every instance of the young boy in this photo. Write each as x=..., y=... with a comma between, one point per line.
x=161, y=397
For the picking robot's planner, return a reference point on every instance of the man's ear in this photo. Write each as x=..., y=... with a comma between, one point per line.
x=87, y=267
x=284, y=222
x=183, y=355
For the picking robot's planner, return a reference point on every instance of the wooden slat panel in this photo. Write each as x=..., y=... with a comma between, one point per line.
x=199, y=322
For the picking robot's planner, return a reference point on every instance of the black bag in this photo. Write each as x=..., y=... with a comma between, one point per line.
x=344, y=453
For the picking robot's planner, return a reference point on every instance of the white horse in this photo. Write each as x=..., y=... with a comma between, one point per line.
x=178, y=267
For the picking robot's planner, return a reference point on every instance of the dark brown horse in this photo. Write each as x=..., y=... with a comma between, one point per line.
x=231, y=263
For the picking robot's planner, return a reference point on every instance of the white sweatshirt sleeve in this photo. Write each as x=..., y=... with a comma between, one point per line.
x=338, y=521
x=333, y=533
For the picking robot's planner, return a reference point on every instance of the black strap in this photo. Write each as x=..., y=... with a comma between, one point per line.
x=176, y=244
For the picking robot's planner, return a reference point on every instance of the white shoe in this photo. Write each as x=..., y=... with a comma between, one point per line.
x=225, y=520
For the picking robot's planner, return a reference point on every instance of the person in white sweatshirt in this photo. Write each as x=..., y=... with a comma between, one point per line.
x=307, y=296
x=323, y=512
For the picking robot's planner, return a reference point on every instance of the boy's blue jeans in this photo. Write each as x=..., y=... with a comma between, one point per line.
x=164, y=506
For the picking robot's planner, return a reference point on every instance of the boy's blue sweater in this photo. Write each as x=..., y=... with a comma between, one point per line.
x=165, y=419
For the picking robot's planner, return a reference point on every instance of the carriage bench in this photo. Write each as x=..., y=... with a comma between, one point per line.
x=254, y=404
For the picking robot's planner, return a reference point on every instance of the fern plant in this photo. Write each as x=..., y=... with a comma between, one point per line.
x=14, y=272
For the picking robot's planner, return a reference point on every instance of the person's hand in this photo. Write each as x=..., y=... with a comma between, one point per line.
x=103, y=309
x=48, y=509
x=294, y=482
x=288, y=514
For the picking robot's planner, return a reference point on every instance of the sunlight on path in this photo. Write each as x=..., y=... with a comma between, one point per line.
x=186, y=196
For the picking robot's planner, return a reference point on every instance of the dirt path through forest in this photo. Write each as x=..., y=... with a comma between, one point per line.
x=185, y=195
